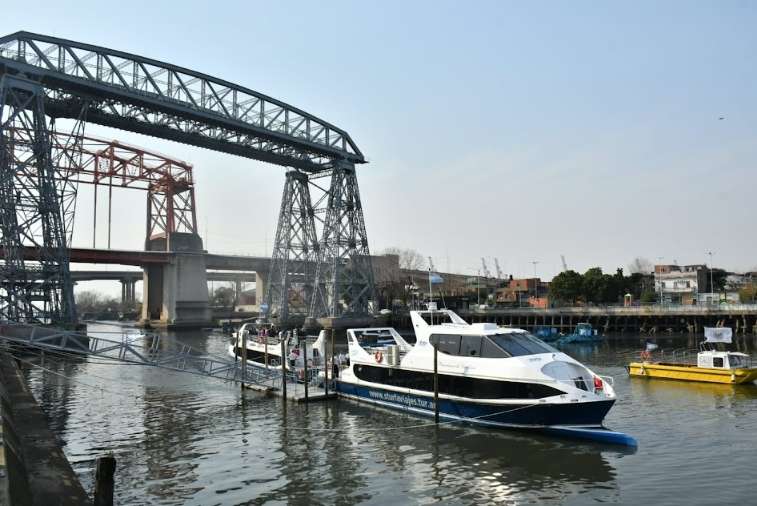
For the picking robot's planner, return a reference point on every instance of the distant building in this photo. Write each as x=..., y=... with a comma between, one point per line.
x=524, y=292
x=681, y=284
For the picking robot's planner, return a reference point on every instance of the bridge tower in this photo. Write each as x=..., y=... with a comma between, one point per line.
x=344, y=282
x=38, y=291
x=295, y=252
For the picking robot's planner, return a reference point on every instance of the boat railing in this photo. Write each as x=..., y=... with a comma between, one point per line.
x=684, y=356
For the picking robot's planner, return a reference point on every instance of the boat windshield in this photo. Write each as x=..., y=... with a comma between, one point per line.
x=517, y=344
x=735, y=361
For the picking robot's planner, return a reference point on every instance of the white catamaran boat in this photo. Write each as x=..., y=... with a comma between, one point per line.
x=264, y=350
x=487, y=375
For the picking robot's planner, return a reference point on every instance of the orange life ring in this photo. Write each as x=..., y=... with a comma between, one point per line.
x=645, y=355
x=378, y=356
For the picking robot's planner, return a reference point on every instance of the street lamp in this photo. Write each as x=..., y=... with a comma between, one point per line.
x=536, y=287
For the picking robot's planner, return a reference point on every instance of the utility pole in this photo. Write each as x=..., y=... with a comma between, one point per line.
x=712, y=284
x=659, y=263
x=478, y=289
x=536, y=286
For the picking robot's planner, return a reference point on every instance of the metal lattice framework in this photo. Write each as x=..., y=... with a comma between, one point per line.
x=344, y=283
x=142, y=95
x=290, y=285
x=146, y=96
x=148, y=350
x=30, y=211
x=80, y=159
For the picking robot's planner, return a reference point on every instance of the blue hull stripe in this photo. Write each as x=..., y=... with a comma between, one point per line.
x=585, y=414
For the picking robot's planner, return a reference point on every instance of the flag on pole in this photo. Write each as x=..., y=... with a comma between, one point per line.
x=718, y=334
x=434, y=278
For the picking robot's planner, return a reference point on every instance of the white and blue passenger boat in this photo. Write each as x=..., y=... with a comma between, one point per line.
x=487, y=375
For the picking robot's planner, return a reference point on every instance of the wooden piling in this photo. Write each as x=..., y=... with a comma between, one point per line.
x=325, y=369
x=436, y=384
x=283, y=369
x=305, y=365
x=333, y=361
x=244, y=357
x=105, y=469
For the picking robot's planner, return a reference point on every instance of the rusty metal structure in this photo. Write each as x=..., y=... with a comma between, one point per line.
x=114, y=164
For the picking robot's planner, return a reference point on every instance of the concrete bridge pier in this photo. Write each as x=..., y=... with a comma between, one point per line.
x=176, y=294
x=261, y=285
x=128, y=292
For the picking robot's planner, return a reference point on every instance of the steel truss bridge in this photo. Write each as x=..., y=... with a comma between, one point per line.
x=320, y=262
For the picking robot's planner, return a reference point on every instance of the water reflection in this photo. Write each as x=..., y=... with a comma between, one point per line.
x=183, y=439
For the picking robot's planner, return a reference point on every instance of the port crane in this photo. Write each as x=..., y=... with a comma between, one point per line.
x=499, y=271
x=485, y=269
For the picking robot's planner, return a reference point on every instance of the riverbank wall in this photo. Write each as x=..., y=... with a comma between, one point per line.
x=34, y=470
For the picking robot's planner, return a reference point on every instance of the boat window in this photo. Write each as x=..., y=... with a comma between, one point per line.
x=491, y=350
x=446, y=343
x=717, y=361
x=736, y=361
x=470, y=346
x=462, y=386
x=520, y=343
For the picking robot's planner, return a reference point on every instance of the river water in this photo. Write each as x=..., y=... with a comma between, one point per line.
x=183, y=439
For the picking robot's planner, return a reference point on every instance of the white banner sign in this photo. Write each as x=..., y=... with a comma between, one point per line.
x=718, y=334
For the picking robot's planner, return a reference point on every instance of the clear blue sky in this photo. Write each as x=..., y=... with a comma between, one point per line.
x=517, y=130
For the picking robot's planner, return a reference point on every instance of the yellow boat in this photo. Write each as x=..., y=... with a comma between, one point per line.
x=712, y=367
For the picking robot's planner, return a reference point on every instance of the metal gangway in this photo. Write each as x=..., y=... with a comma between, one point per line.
x=139, y=349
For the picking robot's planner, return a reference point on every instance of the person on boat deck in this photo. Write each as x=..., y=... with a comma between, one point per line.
x=294, y=354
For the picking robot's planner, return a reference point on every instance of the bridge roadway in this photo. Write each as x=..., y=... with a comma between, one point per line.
x=244, y=277
x=147, y=258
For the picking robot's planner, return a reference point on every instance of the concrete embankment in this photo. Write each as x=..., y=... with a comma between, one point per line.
x=33, y=469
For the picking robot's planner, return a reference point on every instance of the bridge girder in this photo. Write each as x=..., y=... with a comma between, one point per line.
x=151, y=97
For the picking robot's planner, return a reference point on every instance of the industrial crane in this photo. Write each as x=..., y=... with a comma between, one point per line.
x=499, y=271
x=485, y=269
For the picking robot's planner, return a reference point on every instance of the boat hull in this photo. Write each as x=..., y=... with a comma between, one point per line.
x=535, y=415
x=683, y=372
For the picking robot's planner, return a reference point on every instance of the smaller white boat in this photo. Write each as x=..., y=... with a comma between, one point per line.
x=264, y=350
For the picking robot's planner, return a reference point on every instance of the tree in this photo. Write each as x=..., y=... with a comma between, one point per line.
x=88, y=302
x=748, y=294
x=223, y=296
x=718, y=279
x=409, y=258
x=641, y=266
x=648, y=296
x=566, y=287
x=594, y=285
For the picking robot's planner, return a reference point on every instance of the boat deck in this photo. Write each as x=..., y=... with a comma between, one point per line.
x=691, y=372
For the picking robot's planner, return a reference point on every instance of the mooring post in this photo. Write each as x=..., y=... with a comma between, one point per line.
x=244, y=356
x=105, y=469
x=283, y=368
x=305, y=364
x=436, y=384
x=333, y=361
x=326, y=369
